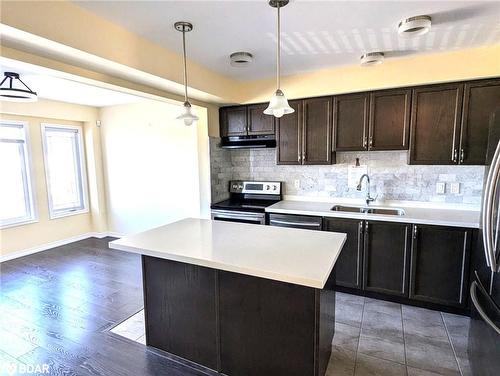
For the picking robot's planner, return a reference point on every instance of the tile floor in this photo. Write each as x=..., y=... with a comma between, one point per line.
x=374, y=337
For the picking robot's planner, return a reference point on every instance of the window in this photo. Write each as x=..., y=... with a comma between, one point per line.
x=64, y=169
x=16, y=193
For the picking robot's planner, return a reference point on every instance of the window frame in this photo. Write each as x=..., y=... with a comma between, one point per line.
x=55, y=214
x=28, y=173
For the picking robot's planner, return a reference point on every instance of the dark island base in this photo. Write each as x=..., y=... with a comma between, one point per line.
x=236, y=324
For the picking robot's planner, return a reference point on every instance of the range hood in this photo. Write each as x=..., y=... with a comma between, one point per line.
x=248, y=142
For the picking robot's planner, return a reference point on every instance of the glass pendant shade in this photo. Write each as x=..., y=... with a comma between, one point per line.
x=278, y=105
x=187, y=114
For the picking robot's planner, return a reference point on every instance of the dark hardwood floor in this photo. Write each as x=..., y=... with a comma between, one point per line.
x=57, y=306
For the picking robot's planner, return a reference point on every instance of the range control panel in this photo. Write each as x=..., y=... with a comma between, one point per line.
x=255, y=187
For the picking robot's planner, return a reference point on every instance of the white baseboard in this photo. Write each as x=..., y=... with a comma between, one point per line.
x=56, y=243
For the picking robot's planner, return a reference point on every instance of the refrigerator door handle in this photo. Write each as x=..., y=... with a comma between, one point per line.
x=479, y=309
x=489, y=201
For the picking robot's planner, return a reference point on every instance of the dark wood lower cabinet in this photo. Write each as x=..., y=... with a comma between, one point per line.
x=263, y=333
x=386, y=258
x=422, y=265
x=348, y=266
x=440, y=265
x=180, y=314
x=236, y=324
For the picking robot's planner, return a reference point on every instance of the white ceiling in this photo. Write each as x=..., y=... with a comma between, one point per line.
x=69, y=91
x=315, y=34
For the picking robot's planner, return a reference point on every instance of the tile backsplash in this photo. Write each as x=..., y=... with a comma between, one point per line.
x=391, y=177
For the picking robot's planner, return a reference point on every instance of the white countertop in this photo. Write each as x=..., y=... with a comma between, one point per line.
x=302, y=257
x=415, y=215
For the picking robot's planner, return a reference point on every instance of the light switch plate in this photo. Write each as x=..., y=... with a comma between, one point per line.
x=440, y=188
x=455, y=188
x=296, y=183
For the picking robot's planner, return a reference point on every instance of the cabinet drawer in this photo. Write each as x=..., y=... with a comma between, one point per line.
x=296, y=221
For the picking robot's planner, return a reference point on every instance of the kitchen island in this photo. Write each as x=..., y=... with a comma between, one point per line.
x=239, y=299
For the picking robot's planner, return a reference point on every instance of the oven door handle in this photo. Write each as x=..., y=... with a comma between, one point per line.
x=232, y=214
x=246, y=218
x=286, y=223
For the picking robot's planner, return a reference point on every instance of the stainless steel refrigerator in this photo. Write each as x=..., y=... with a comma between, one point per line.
x=484, y=333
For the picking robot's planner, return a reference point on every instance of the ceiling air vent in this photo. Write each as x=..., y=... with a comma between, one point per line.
x=241, y=59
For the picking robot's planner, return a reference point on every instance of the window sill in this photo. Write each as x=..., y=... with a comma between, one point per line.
x=68, y=213
x=16, y=224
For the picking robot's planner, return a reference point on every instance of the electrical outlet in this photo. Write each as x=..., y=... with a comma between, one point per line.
x=440, y=188
x=455, y=188
x=296, y=183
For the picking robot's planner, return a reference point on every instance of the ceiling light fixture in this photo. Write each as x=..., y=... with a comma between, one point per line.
x=187, y=114
x=241, y=59
x=9, y=92
x=278, y=106
x=371, y=58
x=415, y=26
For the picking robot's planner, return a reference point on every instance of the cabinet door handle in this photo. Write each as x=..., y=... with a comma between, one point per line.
x=366, y=226
x=415, y=231
x=455, y=155
x=299, y=158
x=405, y=255
x=360, y=228
x=365, y=142
x=462, y=155
x=370, y=144
x=304, y=156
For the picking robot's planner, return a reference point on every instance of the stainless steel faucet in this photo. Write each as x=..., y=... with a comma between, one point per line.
x=368, y=197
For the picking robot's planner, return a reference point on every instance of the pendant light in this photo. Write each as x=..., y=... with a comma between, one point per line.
x=278, y=105
x=187, y=114
x=9, y=91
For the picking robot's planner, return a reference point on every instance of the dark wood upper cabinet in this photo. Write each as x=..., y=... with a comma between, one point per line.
x=233, y=121
x=435, y=122
x=305, y=136
x=350, y=121
x=317, y=131
x=289, y=136
x=245, y=120
x=481, y=99
x=258, y=122
x=440, y=259
x=348, y=268
x=389, y=120
x=442, y=124
x=386, y=258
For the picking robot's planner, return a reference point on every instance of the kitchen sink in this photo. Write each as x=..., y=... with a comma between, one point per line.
x=359, y=209
x=386, y=211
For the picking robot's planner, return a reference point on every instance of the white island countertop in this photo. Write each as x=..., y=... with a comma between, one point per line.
x=301, y=257
x=413, y=215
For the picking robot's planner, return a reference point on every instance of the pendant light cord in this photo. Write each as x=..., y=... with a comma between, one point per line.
x=278, y=50
x=185, y=68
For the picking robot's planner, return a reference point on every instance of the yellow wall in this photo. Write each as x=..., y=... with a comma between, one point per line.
x=24, y=237
x=459, y=65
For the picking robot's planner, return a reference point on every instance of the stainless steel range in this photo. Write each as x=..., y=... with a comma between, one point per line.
x=247, y=201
